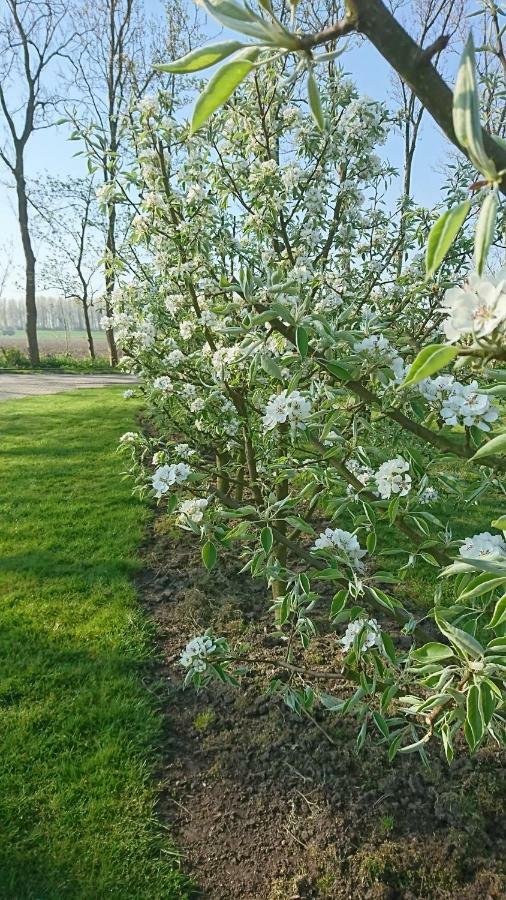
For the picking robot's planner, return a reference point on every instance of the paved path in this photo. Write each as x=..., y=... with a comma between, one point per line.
x=14, y=385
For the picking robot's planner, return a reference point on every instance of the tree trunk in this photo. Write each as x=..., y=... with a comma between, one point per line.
x=31, y=306
x=91, y=345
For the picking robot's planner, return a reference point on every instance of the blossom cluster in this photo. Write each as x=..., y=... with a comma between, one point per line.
x=484, y=545
x=345, y=543
x=460, y=404
x=164, y=477
x=195, y=656
x=368, y=628
x=392, y=478
x=287, y=407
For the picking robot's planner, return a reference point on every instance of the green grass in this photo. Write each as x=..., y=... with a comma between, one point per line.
x=79, y=728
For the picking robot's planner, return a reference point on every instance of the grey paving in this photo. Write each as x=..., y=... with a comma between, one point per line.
x=16, y=384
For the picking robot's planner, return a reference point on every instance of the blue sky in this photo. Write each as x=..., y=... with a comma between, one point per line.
x=50, y=151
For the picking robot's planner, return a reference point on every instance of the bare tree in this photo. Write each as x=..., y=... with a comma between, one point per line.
x=32, y=40
x=114, y=67
x=68, y=222
x=112, y=63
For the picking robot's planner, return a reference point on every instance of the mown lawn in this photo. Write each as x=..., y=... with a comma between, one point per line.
x=79, y=729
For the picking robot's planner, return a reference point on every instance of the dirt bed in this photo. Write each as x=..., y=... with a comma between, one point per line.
x=264, y=807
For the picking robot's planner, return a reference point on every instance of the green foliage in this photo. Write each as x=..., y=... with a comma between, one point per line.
x=429, y=361
x=443, y=234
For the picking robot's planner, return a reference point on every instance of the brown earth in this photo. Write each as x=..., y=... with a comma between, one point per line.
x=265, y=807
x=57, y=343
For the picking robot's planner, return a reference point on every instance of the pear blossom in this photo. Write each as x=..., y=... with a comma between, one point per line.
x=186, y=330
x=392, y=478
x=466, y=405
x=130, y=437
x=477, y=308
x=165, y=476
x=192, y=510
x=196, y=654
x=148, y=106
x=429, y=495
x=164, y=384
x=343, y=541
x=371, y=634
x=484, y=545
x=175, y=358
x=284, y=407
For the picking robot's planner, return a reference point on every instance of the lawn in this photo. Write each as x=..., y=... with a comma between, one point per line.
x=79, y=727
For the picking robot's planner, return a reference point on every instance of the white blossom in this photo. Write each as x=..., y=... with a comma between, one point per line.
x=434, y=389
x=130, y=437
x=283, y=407
x=175, y=358
x=371, y=636
x=429, y=495
x=186, y=329
x=344, y=541
x=196, y=653
x=466, y=405
x=192, y=510
x=164, y=384
x=484, y=545
x=392, y=478
x=184, y=450
x=148, y=106
x=477, y=308
x=165, y=476
x=128, y=394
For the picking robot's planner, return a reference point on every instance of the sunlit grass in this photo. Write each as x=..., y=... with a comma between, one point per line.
x=79, y=728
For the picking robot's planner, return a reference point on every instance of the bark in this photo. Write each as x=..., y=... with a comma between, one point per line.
x=31, y=306
x=89, y=335
x=413, y=64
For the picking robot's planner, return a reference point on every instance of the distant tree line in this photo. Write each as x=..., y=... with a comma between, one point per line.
x=55, y=313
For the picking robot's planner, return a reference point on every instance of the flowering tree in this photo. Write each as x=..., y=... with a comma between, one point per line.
x=281, y=351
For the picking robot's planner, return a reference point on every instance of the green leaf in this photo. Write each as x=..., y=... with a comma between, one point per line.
x=381, y=724
x=500, y=523
x=483, y=584
x=244, y=20
x=202, y=58
x=496, y=445
x=429, y=360
x=443, y=234
x=315, y=103
x=486, y=702
x=371, y=542
x=474, y=715
x=499, y=615
x=270, y=366
x=338, y=369
x=388, y=646
x=302, y=341
x=221, y=86
x=338, y=603
x=466, y=112
x=432, y=652
x=485, y=229
x=466, y=643
x=209, y=555
x=266, y=539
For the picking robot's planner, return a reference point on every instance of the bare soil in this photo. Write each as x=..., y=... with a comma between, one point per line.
x=57, y=342
x=265, y=807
